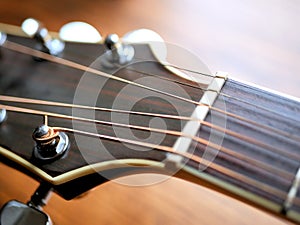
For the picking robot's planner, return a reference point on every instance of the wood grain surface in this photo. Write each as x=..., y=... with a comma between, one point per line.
x=253, y=40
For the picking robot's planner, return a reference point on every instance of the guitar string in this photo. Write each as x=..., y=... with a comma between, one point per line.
x=246, y=180
x=250, y=161
x=221, y=169
x=29, y=51
x=218, y=92
x=247, y=139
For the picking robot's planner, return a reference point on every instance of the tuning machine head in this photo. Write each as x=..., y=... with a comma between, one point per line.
x=120, y=52
x=34, y=28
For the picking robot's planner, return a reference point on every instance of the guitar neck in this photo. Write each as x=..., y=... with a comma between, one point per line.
x=258, y=157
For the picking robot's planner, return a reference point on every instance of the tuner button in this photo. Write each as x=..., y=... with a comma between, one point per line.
x=79, y=32
x=34, y=28
x=153, y=39
x=158, y=47
x=142, y=36
x=3, y=115
x=31, y=26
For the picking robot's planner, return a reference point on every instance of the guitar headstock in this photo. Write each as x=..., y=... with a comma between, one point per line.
x=84, y=113
x=91, y=112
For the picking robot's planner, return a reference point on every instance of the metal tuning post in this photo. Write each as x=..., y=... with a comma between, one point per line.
x=3, y=115
x=46, y=43
x=2, y=38
x=117, y=53
x=41, y=196
x=50, y=145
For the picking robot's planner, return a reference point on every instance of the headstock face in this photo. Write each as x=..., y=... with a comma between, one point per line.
x=21, y=76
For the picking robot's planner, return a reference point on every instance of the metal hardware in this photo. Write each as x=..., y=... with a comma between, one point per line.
x=3, y=115
x=14, y=212
x=2, y=38
x=117, y=53
x=46, y=43
x=50, y=144
x=40, y=196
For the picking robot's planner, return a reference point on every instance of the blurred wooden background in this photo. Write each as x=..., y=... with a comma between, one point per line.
x=256, y=41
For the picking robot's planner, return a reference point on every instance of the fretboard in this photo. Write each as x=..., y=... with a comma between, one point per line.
x=259, y=155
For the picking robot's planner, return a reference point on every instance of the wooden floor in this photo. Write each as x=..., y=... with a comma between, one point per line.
x=257, y=41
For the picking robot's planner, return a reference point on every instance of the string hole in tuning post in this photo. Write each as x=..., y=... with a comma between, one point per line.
x=50, y=144
x=35, y=29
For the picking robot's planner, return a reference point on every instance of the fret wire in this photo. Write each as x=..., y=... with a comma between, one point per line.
x=26, y=50
x=266, y=167
x=247, y=139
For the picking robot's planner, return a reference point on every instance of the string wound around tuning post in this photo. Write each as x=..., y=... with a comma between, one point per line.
x=50, y=144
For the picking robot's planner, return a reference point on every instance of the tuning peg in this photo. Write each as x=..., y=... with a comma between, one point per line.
x=158, y=47
x=79, y=32
x=142, y=36
x=150, y=37
x=36, y=29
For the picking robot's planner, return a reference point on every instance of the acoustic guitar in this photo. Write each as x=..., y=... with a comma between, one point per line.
x=76, y=115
